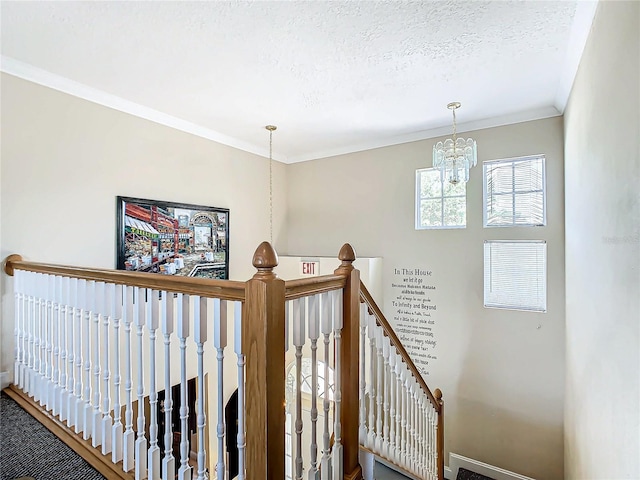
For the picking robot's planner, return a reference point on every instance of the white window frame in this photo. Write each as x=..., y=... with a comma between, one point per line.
x=442, y=197
x=492, y=301
x=513, y=191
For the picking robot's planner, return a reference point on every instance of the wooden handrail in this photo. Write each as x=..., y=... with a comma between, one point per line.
x=303, y=287
x=366, y=298
x=205, y=287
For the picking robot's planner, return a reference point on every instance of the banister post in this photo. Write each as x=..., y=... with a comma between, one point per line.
x=440, y=438
x=263, y=333
x=350, y=367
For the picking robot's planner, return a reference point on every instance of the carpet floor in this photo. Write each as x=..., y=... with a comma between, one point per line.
x=28, y=449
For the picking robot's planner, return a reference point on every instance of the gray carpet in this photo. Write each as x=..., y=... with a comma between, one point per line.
x=27, y=449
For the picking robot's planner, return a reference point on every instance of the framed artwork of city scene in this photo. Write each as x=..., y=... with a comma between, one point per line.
x=172, y=238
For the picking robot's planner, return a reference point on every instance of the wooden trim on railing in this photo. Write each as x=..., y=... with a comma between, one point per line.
x=102, y=463
x=366, y=297
x=205, y=287
x=304, y=287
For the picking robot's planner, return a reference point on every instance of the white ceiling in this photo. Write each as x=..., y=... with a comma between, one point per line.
x=335, y=77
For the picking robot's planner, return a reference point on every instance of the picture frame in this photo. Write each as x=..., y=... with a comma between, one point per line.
x=172, y=238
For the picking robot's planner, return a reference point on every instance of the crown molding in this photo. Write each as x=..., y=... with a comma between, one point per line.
x=42, y=77
x=518, y=117
x=33, y=74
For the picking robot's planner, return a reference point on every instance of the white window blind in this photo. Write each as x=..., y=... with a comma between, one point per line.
x=514, y=192
x=439, y=204
x=515, y=275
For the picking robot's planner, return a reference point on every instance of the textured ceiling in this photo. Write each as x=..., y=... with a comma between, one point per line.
x=333, y=76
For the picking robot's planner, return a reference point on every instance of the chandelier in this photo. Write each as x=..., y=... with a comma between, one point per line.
x=455, y=156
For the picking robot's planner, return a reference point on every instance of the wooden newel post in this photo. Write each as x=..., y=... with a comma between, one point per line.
x=263, y=342
x=350, y=367
x=440, y=438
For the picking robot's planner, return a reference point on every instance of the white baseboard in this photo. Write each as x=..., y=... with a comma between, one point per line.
x=457, y=461
x=5, y=381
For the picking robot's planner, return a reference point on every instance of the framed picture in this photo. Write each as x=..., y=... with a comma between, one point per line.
x=172, y=238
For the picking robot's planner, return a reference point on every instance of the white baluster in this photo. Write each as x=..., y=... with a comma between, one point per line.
x=220, y=342
x=48, y=392
x=298, y=342
x=39, y=318
x=168, y=462
x=362, y=432
x=43, y=323
x=73, y=335
x=96, y=299
x=379, y=388
x=18, y=331
x=371, y=330
x=403, y=416
x=140, y=313
x=386, y=345
x=33, y=319
x=128, y=440
x=106, y=424
x=237, y=337
x=434, y=449
x=392, y=403
x=153, y=321
x=184, y=472
x=28, y=321
x=314, y=334
x=117, y=428
x=336, y=301
x=47, y=344
x=58, y=336
x=51, y=341
x=200, y=337
x=423, y=438
x=414, y=426
x=326, y=327
x=62, y=391
x=399, y=366
x=84, y=421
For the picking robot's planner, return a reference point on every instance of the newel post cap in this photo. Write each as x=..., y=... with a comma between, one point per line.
x=438, y=395
x=265, y=259
x=347, y=255
x=7, y=266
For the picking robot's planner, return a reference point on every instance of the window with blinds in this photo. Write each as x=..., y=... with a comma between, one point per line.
x=439, y=204
x=515, y=275
x=514, y=192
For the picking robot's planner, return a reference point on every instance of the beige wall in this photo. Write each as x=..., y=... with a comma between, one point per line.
x=502, y=372
x=64, y=161
x=602, y=125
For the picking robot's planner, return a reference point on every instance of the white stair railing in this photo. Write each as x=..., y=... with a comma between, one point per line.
x=74, y=347
x=91, y=343
x=404, y=420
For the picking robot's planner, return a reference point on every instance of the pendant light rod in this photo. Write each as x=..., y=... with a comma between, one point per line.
x=271, y=129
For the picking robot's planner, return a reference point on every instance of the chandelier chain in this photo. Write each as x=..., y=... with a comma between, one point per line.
x=271, y=186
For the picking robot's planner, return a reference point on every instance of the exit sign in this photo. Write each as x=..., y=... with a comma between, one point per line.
x=309, y=269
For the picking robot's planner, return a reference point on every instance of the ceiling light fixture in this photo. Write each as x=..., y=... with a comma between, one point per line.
x=271, y=129
x=454, y=157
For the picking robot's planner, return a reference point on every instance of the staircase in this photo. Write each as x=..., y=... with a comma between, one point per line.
x=97, y=351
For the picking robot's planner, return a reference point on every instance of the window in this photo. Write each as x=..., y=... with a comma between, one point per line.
x=515, y=275
x=439, y=204
x=514, y=192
